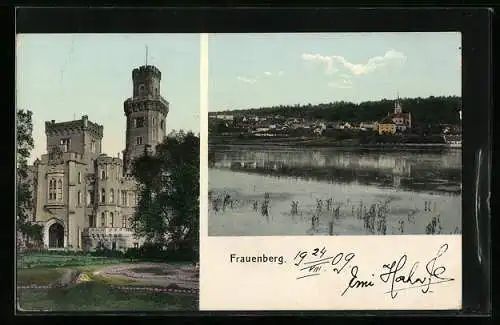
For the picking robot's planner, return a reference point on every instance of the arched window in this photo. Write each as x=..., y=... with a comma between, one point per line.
x=111, y=219
x=79, y=177
x=103, y=196
x=103, y=219
x=156, y=91
x=162, y=124
x=89, y=197
x=79, y=198
x=111, y=196
x=124, y=221
x=103, y=174
x=59, y=190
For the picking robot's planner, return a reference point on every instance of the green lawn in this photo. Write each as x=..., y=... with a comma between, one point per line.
x=44, y=260
x=95, y=296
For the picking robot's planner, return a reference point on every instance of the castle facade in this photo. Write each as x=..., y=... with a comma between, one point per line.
x=83, y=198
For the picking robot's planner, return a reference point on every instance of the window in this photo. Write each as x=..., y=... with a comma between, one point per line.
x=111, y=219
x=103, y=219
x=156, y=91
x=93, y=146
x=124, y=198
x=92, y=222
x=103, y=174
x=59, y=190
x=162, y=124
x=90, y=197
x=111, y=196
x=131, y=198
x=79, y=198
x=103, y=196
x=124, y=221
x=65, y=144
x=79, y=177
x=139, y=122
x=52, y=189
x=154, y=135
x=138, y=140
x=154, y=122
x=141, y=90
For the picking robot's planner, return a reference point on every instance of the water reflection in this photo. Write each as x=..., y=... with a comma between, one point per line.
x=438, y=170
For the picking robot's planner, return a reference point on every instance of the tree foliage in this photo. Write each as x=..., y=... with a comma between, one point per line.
x=430, y=110
x=25, y=143
x=168, y=207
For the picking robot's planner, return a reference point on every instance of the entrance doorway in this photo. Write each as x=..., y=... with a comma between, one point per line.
x=56, y=236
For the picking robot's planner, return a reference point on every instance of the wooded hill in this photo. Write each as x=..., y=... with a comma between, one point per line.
x=430, y=110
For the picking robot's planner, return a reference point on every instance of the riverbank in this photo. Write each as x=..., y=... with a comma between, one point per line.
x=317, y=142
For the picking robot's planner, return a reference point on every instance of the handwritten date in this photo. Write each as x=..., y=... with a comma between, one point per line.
x=317, y=263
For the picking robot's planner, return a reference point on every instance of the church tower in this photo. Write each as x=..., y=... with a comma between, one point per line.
x=397, y=107
x=146, y=112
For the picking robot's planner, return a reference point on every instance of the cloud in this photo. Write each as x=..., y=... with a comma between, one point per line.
x=267, y=73
x=247, y=80
x=342, y=84
x=357, y=69
x=326, y=60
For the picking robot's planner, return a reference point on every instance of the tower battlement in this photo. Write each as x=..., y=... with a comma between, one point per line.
x=146, y=71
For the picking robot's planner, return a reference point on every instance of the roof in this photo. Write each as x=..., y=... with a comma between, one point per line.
x=387, y=120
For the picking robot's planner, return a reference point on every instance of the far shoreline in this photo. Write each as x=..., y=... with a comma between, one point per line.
x=320, y=143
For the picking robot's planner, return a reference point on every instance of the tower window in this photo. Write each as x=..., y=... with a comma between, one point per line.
x=124, y=221
x=103, y=219
x=93, y=146
x=162, y=124
x=111, y=196
x=79, y=198
x=141, y=90
x=156, y=91
x=103, y=196
x=65, y=145
x=139, y=122
x=79, y=177
x=103, y=174
x=138, y=140
x=111, y=221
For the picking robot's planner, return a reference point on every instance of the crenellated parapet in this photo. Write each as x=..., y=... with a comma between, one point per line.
x=67, y=128
x=146, y=71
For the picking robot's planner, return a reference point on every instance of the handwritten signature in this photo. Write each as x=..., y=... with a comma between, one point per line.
x=393, y=273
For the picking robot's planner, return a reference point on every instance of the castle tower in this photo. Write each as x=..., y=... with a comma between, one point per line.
x=146, y=112
x=78, y=136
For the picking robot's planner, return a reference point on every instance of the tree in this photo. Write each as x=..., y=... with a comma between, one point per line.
x=168, y=209
x=25, y=143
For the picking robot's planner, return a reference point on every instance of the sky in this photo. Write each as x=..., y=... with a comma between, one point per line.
x=259, y=70
x=64, y=76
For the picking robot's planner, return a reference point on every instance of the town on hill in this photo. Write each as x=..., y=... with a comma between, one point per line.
x=432, y=120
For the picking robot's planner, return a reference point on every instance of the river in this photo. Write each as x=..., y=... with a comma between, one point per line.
x=336, y=191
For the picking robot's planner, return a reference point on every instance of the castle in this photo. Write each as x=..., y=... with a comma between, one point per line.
x=83, y=198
